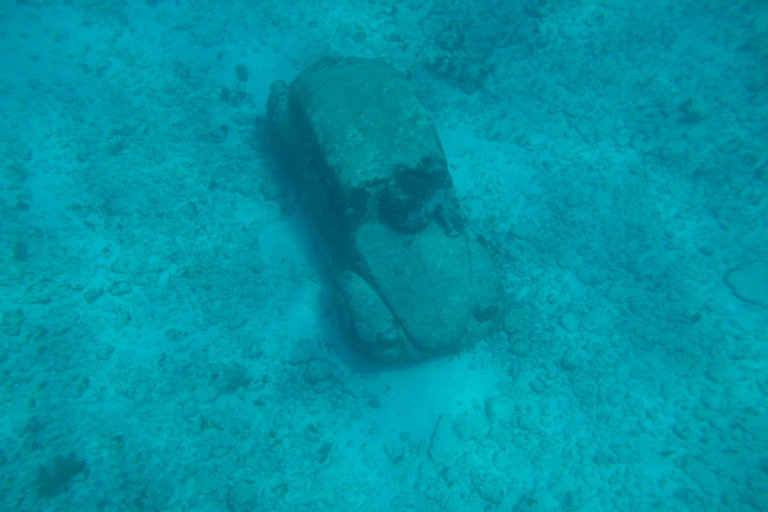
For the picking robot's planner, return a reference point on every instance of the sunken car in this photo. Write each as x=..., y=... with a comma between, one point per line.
x=372, y=174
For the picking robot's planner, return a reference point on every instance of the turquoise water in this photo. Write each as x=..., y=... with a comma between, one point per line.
x=168, y=339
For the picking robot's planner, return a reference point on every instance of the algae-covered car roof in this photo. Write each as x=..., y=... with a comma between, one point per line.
x=366, y=117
